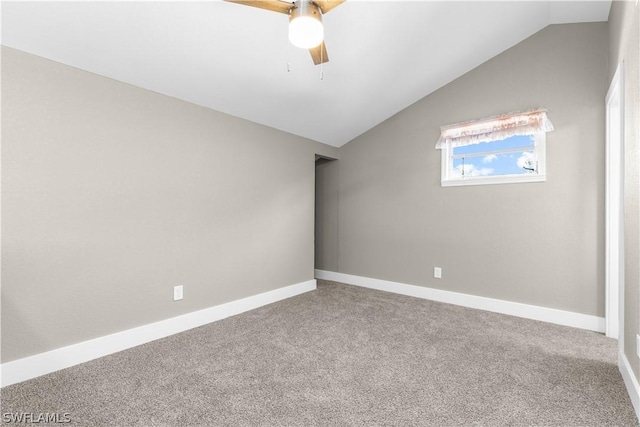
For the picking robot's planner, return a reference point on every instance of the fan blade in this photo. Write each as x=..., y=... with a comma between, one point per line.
x=273, y=5
x=326, y=5
x=319, y=54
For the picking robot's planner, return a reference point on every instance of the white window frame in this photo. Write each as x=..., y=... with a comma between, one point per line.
x=448, y=180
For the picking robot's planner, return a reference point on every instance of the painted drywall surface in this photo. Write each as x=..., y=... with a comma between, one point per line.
x=535, y=243
x=326, y=232
x=111, y=195
x=624, y=45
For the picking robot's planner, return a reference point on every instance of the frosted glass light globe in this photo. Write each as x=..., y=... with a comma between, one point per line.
x=305, y=32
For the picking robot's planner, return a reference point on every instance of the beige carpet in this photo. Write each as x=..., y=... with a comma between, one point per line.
x=344, y=355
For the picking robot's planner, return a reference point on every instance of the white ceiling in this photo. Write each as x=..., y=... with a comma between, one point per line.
x=384, y=55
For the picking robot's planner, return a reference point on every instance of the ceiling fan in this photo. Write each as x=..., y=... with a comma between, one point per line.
x=305, y=22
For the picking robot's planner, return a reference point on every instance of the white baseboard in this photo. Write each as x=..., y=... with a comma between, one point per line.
x=630, y=381
x=54, y=360
x=550, y=315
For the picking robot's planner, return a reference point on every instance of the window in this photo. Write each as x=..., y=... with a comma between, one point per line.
x=502, y=149
x=519, y=158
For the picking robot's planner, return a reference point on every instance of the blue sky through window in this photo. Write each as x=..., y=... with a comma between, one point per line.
x=482, y=160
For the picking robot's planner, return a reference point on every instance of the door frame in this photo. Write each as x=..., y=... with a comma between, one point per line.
x=614, y=209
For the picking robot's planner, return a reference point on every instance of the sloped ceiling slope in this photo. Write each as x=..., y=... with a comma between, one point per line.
x=384, y=55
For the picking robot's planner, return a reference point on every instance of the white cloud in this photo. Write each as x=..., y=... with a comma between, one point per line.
x=489, y=158
x=526, y=160
x=484, y=171
x=471, y=170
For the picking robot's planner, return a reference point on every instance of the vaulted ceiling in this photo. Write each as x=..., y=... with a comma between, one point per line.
x=384, y=55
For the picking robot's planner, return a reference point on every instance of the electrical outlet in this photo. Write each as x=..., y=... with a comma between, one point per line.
x=437, y=272
x=177, y=293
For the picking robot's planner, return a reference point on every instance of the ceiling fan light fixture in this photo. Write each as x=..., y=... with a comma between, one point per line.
x=305, y=25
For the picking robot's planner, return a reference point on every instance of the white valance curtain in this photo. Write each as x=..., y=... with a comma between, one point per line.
x=494, y=128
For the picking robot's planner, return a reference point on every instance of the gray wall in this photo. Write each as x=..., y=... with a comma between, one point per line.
x=326, y=232
x=535, y=243
x=111, y=195
x=624, y=36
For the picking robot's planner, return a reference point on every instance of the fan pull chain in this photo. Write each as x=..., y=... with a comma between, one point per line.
x=321, y=65
x=288, y=57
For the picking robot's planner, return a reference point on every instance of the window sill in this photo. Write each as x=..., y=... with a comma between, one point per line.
x=494, y=180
